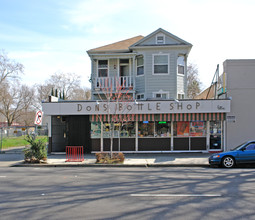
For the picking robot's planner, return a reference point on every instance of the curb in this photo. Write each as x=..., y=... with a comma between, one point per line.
x=109, y=165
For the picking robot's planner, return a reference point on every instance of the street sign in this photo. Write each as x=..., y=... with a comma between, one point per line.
x=38, y=118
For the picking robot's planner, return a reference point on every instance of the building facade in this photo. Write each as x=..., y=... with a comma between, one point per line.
x=237, y=82
x=138, y=87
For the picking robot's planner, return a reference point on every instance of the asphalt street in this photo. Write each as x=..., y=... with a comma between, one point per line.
x=126, y=193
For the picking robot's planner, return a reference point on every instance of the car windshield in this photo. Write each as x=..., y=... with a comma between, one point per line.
x=240, y=146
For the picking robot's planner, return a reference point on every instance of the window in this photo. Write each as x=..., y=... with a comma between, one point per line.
x=160, y=64
x=140, y=68
x=140, y=96
x=102, y=68
x=95, y=131
x=180, y=96
x=181, y=64
x=160, y=39
x=161, y=95
x=127, y=129
x=146, y=129
x=162, y=129
x=250, y=147
x=180, y=69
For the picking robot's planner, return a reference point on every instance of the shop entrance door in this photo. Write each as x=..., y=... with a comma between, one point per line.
x=215, y=136
x=79, y=132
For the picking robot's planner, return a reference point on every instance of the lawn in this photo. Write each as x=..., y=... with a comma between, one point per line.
x=17, y=141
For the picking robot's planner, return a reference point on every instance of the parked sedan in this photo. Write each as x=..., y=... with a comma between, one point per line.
x=244, y=153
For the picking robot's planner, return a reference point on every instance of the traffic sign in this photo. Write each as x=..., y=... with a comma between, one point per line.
x=38, y=118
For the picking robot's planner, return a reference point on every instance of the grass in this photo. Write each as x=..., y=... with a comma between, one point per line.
x=17, y=141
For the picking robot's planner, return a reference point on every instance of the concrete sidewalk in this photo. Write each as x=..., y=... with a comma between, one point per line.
x=139, y=159
x=14, y=157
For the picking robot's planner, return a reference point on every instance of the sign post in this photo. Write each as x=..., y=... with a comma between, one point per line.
x=38, y=120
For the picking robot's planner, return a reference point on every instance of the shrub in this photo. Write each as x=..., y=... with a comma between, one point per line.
x=37, y=150
x=106, y=158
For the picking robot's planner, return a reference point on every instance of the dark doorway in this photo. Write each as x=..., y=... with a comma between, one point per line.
x=79, y=132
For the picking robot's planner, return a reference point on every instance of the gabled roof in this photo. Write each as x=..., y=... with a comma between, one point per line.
x=160, y=30
x=121, y=46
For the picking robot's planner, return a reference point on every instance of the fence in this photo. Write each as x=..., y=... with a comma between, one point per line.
x=16, y=134
x=74, y=154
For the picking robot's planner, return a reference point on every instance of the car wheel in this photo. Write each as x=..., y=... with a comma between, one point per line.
x=228, y=162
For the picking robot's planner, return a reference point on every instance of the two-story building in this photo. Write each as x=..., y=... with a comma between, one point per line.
x=139, y=86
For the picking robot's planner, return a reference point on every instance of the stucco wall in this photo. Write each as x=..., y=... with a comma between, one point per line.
x=240, y=84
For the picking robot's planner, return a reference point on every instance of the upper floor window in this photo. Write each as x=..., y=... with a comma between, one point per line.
x=140, y=68
x=160, y=64
x=161, y=95
x=140, y=96
x=180, y=65
x=180, y=69
x=160, y=39
x=102, y=68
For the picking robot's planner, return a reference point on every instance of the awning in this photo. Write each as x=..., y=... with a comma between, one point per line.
x=160, y=117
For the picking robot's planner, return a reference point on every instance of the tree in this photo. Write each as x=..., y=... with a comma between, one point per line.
x=119, y=95
x=9, y=68
x=15, y=100
x=193, y=84
x=81, y=94
x=64, y=82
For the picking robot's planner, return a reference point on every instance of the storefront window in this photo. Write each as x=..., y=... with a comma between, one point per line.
x=181, y=128
x=163, y=129
x=127, y=130
x=146, y=129
x=95, y=130
x=107, y=130
x=197, y=128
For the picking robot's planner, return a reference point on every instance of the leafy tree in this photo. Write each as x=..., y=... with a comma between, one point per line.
x=193, y=84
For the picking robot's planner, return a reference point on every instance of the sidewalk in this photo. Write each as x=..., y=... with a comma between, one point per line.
x=14, y=157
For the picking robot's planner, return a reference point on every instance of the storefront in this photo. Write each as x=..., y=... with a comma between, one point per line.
x=148, y=126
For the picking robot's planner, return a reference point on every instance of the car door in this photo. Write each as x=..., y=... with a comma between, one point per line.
x=247, y=154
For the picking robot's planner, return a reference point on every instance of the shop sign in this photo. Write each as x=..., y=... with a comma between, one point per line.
x=142, y=107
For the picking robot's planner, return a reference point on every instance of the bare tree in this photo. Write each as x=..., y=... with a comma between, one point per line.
x=64, y=82
x=81, y=94
x=9, y=68
x=118, y=94
x=194, y=84
x=15, y=101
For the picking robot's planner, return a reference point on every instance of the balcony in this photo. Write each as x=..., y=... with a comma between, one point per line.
x=113, y=83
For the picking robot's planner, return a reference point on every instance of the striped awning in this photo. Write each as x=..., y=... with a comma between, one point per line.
x=160, y=117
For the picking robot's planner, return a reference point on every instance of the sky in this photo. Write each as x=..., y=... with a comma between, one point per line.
x=49, y=36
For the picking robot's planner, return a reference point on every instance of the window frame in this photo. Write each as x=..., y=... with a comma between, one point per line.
x=160, y=92
x=102, y=68
x=140, y=94
x=139, y=66
x=160, y=35
x=153, y=64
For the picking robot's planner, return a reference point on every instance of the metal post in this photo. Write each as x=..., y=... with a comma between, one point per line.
x=1, y=140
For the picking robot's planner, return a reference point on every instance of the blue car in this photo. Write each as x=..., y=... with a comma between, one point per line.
x=243, y=154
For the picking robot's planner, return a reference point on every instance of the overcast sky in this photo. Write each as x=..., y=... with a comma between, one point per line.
x=48, y=36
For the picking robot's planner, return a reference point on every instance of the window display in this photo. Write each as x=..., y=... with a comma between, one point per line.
x=163, y=129
x=146, y=129
x=107, y=130
x=127, y=130
x=197, y=128
x=95, y=130
x=181, y=128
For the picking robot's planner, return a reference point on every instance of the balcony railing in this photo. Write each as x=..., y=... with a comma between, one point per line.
x=122, y=82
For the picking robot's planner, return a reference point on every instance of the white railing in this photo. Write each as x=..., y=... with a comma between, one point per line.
x=122, y=82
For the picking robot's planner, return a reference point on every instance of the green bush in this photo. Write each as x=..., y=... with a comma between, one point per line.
x=37, y=150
